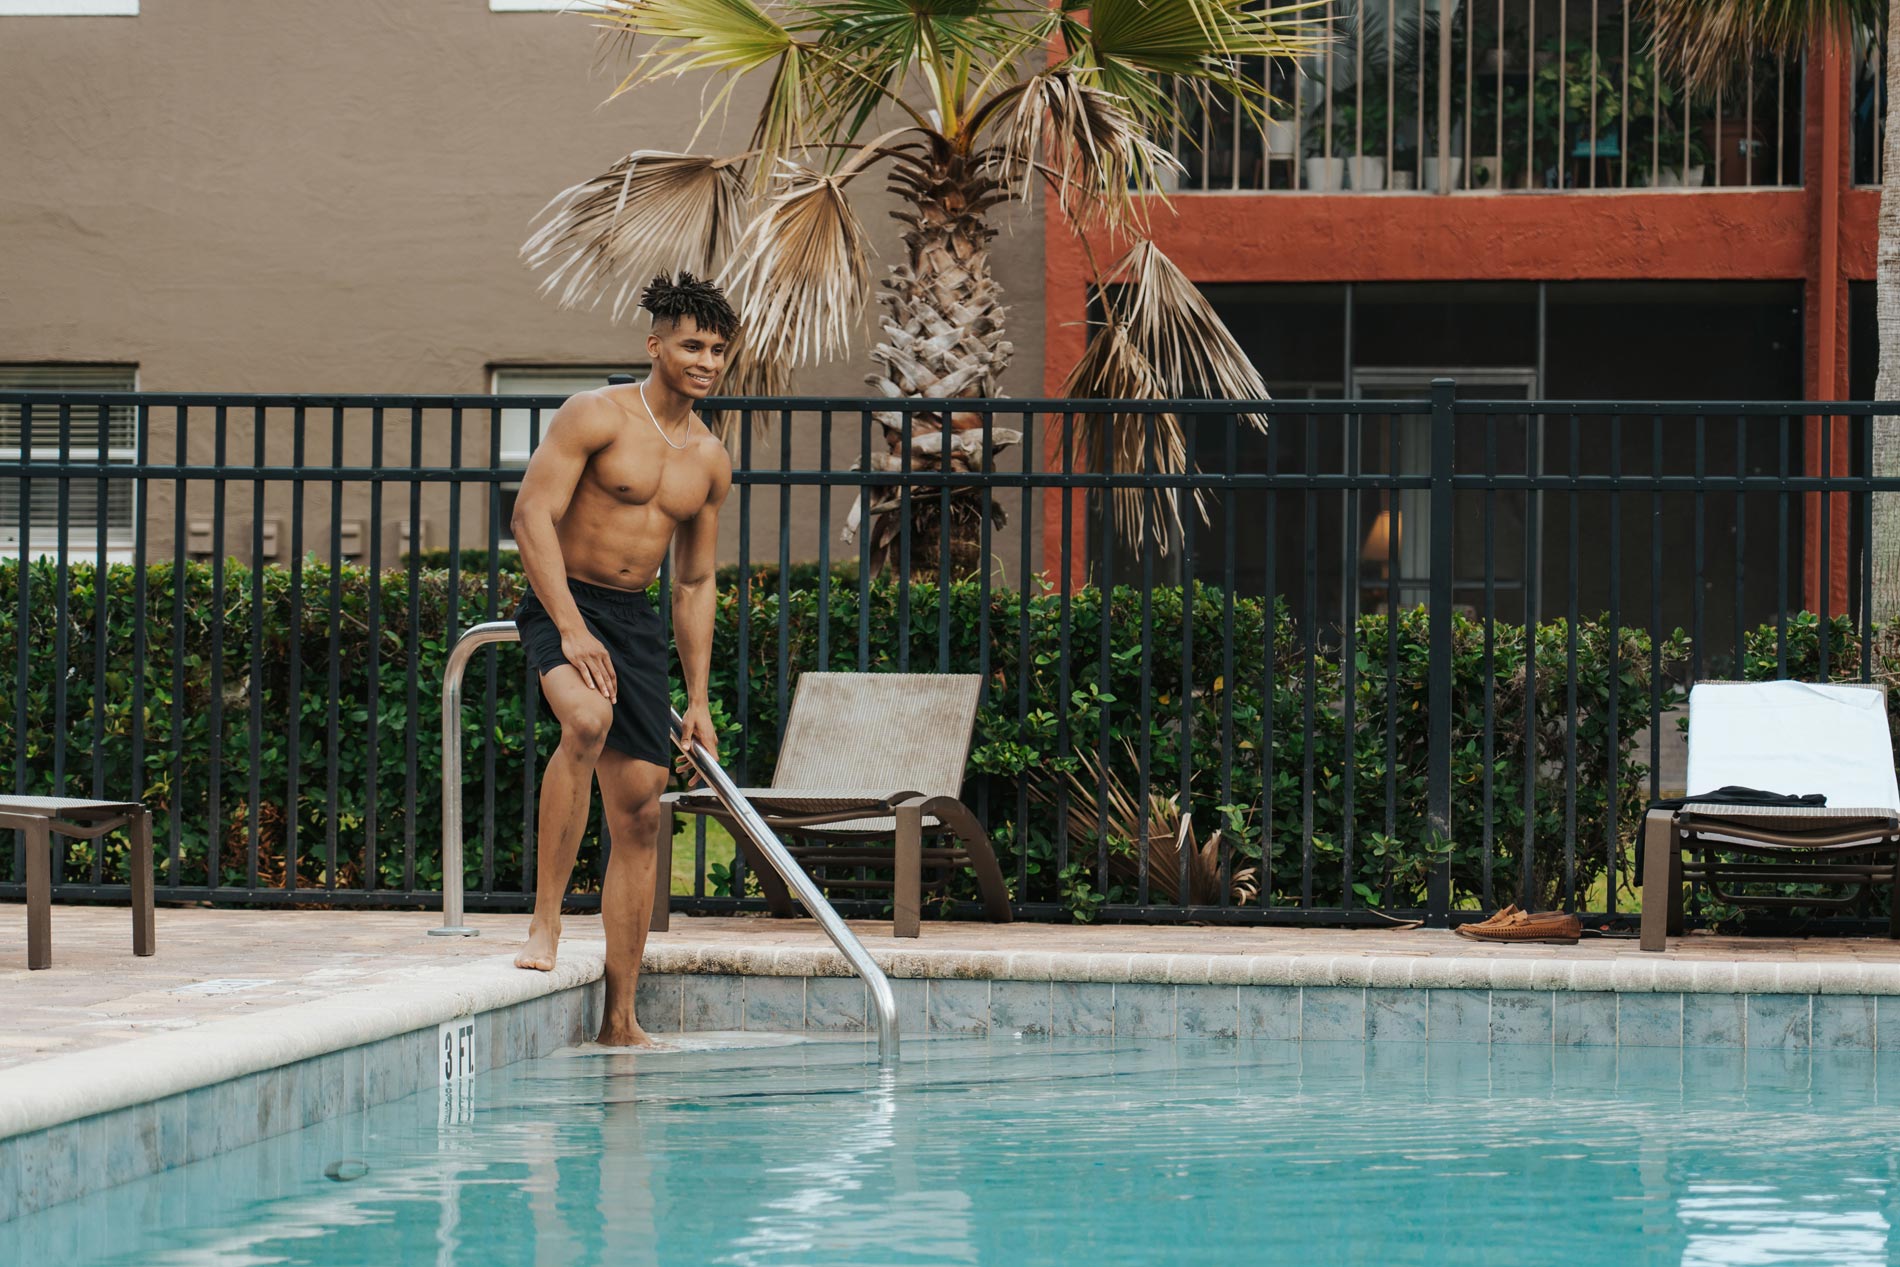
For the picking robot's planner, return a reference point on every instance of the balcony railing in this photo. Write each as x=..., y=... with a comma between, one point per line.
x=1463, y=96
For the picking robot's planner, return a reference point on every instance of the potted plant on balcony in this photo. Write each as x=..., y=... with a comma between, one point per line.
x=1578, y=106
x=1652, y=102
x=1324, y=171
x=1487, y=160
x=1685, y=155
x=1282, y=138
x=1418, y=81
x=1359, y=134
x=1500, y=159
x=1356, y=122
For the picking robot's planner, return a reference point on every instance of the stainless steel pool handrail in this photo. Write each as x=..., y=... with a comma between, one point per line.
x=464, y=650
x=883, y=999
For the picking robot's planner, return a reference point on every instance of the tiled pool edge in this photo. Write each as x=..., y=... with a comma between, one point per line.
x=116, y=1114
x=1535, y=997
x=675, y=1002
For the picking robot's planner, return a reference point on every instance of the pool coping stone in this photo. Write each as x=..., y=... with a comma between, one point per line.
x=1663, y=975
x=76, y=1085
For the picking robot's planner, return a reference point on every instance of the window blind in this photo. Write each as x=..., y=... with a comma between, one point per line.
x=40, y=434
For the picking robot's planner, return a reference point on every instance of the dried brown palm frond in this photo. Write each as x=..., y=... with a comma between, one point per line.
x=1178, y=331
x=1706, y=41
x=1163, y=341
x=1096, y=154
x=653, y=211
x=802, y=270
x=1113, y=368
x=1170, y=834
x=747, y=374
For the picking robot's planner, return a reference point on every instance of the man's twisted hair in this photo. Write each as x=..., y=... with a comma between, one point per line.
x=669, y=300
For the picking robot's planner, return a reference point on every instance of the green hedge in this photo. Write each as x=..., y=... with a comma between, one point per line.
x=802, y=575
x=1010, y=756
x=473, y=560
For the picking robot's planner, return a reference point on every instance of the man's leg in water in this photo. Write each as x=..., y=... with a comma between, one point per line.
x=585, y=717
x=630, y=793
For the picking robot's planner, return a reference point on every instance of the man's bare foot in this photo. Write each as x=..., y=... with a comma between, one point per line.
x=628, y=1035
x=539, y=952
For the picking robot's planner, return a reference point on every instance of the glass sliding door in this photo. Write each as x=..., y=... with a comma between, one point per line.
x=1394, y=526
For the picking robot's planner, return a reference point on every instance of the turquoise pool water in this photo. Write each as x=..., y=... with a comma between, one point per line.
x=1064, y=1151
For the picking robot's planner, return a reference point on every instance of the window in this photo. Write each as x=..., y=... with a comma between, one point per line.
x=69, y=8
x=518, y=426
x=88, y=428
x=1403, y=443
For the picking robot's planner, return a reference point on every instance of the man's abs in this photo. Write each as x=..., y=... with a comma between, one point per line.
x=612, y=543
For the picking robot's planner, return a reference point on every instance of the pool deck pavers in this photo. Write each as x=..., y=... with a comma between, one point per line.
x=217, y=966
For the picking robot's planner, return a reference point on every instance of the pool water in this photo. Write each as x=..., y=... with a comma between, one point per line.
x=1056, y=1151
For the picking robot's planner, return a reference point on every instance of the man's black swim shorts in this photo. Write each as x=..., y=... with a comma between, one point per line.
x=628, y=625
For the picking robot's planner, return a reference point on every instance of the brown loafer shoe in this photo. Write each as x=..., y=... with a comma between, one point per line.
x=1555, y=927
x=1495, y=919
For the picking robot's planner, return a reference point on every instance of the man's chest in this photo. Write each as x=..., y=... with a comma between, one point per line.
x=674, y=481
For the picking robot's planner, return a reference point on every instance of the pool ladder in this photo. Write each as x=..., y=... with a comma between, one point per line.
x=883, y=1000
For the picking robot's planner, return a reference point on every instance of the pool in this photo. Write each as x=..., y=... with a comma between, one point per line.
x=1001, y=1150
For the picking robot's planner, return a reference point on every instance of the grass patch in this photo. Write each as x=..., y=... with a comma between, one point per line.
x=719, y=848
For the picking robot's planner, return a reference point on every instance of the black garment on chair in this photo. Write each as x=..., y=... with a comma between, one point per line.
x=1733, y=795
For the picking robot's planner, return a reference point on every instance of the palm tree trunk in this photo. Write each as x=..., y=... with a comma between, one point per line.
x=943, y=329
x=1883, y=546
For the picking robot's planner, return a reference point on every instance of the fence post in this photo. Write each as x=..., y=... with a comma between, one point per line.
x=1438, y=695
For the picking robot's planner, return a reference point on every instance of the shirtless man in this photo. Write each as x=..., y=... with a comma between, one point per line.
x=623, y=472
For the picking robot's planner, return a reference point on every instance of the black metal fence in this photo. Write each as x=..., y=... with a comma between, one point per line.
x=1365, y=659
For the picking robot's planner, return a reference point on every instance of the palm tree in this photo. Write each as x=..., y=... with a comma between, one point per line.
x=987, y=100
x=1707, y=40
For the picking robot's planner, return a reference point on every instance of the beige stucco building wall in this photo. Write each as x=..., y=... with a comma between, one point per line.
x=328, y=196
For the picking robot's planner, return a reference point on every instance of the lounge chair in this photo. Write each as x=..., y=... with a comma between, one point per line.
x=868, y=758
x=40, y=817
x=1792, y=738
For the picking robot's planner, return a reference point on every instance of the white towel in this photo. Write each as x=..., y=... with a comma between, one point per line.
x=1793, y=737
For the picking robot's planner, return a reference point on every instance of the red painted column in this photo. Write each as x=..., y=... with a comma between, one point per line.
x=1828, y=175
x=1065, y=322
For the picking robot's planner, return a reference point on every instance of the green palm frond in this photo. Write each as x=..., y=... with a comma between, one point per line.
x=909, y=31
x=728, y=38
x=802, y=270
x=1136, y=46
x=1706, y=41
x=947, y=43
x=1095, y=153
x=695, y=35
x=651, y=212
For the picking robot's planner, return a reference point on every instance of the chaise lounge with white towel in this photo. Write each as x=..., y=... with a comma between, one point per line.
x=1794, y=738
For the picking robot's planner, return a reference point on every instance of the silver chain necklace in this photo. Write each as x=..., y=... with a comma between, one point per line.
x=655, y=418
